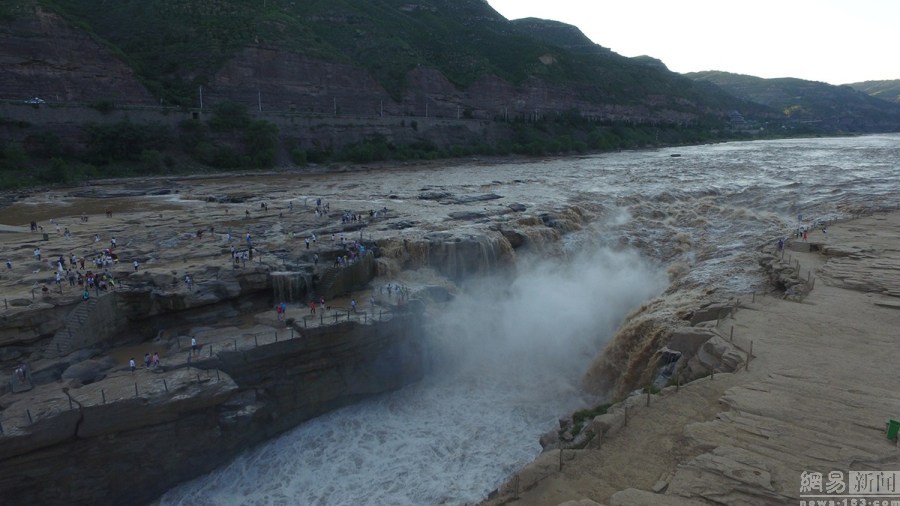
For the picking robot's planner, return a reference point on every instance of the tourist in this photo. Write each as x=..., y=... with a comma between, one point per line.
x=316, y=259
x=155, y=359
x=279, y=312
x=312, y=307
x=85, y=295
x=780, y=244
x=135, y=263
x=132, y=365
x=194, y=345
x=353, y=304
x=112, y=243
x=8, y=264
x=147, y=360
x=189, y=281
x=37, y=254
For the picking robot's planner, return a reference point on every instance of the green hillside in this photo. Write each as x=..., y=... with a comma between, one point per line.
x=885, y=90
x=833, y=108
x=175, y=45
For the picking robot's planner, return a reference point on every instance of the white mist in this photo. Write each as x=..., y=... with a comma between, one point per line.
x=507, y=360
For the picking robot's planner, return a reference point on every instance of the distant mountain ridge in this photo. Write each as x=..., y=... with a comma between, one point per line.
x=177, y=46
x=885, y=90
x=839, y=108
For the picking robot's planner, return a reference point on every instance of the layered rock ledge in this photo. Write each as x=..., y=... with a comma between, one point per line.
x=815, y=396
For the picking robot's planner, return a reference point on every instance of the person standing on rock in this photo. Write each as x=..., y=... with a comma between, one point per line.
x=136, y=264
x=155, y=359
x=147, y=360
x=37, y=254
x=312, y=307
x=194, y=345
x=132, y=365
x=8, y=264
x=307, y=243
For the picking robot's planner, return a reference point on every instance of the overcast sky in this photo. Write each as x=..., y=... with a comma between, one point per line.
x=834, y=41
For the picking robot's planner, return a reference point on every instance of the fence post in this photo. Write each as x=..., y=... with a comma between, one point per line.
x=217, y=375
x=135, y=389
x=560, y=459
x=712, y=373
x=235, y=345
x=70, y=400
x=103, y=395
x=276, y=336
x=625, y=423
x=210, y=350
x=749, y=356
x=255, y=339
x=648, y=394
x=166, y=385
x=731, y=337
x=30, y=420
x=198, y=377
x=292, y=332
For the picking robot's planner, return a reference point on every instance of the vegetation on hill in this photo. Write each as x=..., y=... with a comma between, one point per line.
x=833, y=108
x=885, y=90
x=176, y=45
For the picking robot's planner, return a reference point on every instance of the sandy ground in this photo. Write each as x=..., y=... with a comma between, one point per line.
x=815, y=398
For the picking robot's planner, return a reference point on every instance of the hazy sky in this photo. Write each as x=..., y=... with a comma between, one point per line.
x=835, y=41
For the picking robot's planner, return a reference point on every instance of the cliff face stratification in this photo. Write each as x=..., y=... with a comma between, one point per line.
x=44, y=56
x=160, y=427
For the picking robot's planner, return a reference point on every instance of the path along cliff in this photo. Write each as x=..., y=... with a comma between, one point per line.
x=814, y=399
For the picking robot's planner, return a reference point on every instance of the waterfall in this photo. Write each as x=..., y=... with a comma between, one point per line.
x=290, y=286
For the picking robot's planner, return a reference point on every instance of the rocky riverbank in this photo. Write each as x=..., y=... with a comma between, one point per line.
x=796, y=381
x=165, y=250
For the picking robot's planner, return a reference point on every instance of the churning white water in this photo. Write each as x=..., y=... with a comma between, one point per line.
x=508, y=355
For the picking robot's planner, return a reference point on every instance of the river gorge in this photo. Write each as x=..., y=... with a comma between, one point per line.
x=526, y=271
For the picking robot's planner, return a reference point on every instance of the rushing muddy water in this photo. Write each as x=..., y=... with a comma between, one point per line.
x=507, y=357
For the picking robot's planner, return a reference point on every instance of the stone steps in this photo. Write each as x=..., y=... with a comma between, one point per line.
x=62, y=342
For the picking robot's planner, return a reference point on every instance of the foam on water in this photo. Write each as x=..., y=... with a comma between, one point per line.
x=507, y=358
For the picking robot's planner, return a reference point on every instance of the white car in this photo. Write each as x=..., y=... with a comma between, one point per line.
x=35, y=100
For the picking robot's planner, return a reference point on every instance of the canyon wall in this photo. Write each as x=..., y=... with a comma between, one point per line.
x=130, y=450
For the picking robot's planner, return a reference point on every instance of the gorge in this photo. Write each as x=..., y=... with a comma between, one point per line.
x=605, y=233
